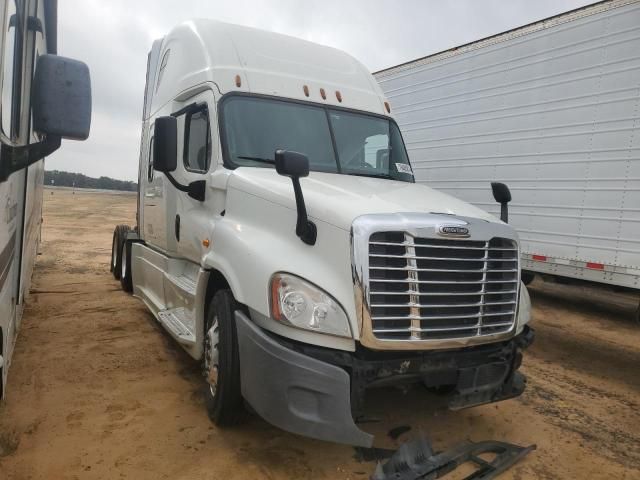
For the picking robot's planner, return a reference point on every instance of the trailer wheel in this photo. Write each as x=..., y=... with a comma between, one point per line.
x=221, y=363
x=119, y=236
x=125, y=267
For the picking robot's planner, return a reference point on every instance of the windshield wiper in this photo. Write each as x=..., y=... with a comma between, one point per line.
x=258, y=159
x=373, y=175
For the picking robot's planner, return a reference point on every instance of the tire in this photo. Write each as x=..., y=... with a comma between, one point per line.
x=125, y=267
x=527, y=277
x=119, y=236
x=221, y=363
x=114, y=252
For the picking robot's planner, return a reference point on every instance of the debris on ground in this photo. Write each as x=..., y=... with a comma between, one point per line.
x=416, y=460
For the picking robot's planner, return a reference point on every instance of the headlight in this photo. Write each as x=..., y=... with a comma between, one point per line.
x=303, y=305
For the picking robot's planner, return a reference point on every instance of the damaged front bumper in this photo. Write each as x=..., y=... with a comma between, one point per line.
x=318, y=392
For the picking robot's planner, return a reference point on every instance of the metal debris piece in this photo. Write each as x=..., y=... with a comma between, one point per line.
x=394, y=433
x=416, y=460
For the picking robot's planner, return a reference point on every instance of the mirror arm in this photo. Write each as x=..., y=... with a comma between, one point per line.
x=504, y=212
x=195, y=190
x=305, y=228
x=175, y=183
x=13, y=158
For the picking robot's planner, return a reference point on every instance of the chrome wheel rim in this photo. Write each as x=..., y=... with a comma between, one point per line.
x=212, y=356
x=123, y=261
x=113, y=253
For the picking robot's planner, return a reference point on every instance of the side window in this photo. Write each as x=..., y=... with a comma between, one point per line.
x=9, y=70
x=150, y=166
x=197, y=141
x=163, y=66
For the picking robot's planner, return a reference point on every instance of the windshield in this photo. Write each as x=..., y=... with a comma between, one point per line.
x=254, y=128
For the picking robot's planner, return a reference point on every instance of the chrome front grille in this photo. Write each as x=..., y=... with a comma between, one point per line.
x=437, y=289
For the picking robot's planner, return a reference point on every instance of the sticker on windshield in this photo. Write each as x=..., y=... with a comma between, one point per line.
x=404, y=168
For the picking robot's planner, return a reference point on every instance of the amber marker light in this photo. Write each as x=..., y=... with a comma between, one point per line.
x=339, y=96
x=305, y=89
x=323, y=94
x=238, y=81
x=276, y=313
x=206, y=243
x=387, y=106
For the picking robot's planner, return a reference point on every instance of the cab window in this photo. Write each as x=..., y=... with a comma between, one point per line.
x=197, y=146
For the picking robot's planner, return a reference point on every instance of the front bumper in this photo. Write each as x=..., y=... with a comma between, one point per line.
x=317, y=392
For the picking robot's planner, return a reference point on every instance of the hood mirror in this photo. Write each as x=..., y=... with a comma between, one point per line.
x=296, y=165
x=502, y=195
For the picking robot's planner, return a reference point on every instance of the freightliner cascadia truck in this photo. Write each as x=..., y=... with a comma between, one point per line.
x=281, y=240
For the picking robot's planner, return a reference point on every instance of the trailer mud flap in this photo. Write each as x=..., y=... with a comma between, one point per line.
x=416, y=460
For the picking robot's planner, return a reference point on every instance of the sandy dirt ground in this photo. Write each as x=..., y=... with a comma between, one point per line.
x=98, y=390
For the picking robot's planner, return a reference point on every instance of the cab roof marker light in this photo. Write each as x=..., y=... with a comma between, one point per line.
x=323, y=94
x=339, y=96
x=238, y=81
x=387, y=107
x=305, y=89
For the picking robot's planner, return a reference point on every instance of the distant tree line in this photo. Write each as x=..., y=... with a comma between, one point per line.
x=68, y=179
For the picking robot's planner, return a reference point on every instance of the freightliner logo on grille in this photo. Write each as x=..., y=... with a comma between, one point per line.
x=453, y=231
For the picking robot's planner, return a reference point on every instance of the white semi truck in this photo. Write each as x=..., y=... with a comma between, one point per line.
x=553, y=110
x=282, y=241
x=43, y=98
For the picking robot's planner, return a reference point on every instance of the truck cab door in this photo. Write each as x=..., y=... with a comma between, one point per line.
x=153, y=192
x=190, y=221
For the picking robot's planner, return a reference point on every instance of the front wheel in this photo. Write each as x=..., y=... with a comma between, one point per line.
x=221, y=361
x=125, y=268
x=119, y=237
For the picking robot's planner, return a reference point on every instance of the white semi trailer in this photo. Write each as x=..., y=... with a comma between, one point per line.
x=281, y=239
x=43, y=98
x=553, y=110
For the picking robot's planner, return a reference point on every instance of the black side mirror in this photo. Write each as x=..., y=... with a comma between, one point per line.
x=296, y=165
x=61, y=97
x=165, y=144
x=292, y=164
x=502, y=195
x=60, y=108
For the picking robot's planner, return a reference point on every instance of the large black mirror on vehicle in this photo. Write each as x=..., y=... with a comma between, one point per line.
x=292, y=164
x=60, y=108
x=61, y=98
x=502, y=195
x=296, y=165
x=165, y=144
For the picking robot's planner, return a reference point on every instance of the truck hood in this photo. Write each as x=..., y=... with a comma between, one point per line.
x=339, y=199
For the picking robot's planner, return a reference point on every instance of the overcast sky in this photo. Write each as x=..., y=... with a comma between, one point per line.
x=113, y=37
